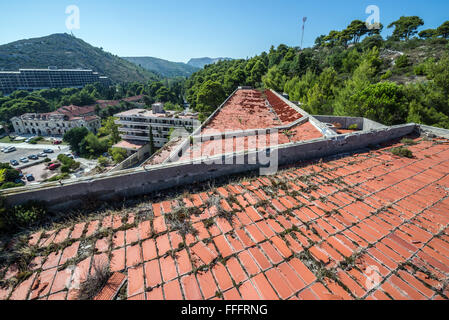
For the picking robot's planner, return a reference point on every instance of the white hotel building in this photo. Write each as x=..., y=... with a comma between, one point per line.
x=135, y=124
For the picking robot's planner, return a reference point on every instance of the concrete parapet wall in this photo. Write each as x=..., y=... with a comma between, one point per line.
x=362, y=123
x=141, y=181
x=433, y=130
x=141, y=155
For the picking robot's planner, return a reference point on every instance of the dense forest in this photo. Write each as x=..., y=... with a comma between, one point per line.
x=47, y=100
x=352, y=72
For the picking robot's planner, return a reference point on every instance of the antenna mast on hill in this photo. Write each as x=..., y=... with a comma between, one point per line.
x=303, y=27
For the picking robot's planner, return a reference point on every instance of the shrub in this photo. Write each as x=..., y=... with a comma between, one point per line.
x=402, y=152
x=59, y=177
x=420, y=70
x=402, y=61
x=9, y=185
x=387, y=75
x=103, y=161
x=47, y=160
x=118, y=154
x=65, y=169
x=409, y=142
x=25, y=215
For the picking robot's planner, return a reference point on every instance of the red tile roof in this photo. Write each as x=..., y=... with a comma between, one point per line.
x=286, y=113
x=249, y=109
x=365, y=226
x=245, y=110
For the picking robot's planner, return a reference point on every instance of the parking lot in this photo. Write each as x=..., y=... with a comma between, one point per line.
x=24, y=150
x=36, y=167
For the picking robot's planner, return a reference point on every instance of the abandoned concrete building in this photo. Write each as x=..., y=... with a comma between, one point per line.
x=57, y=123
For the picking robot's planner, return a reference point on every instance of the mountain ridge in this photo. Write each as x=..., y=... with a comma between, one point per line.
x=66, y=51
x=165, y=68
x=202, y=62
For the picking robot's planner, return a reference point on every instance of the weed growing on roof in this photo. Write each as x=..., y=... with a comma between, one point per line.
x=208, y=223
x=95, y=281
x=402, y=152
x=409, y=142
x=179, y=219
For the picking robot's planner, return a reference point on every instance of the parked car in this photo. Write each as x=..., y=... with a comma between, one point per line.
x=57, y=142
x=24, y=160
x=33, y=157
x=29, y=139
x=14, y=163
x=69, y=155
x=10, y=149
x=19, y=181
x=48, y=151
x=42, y=155
x=30, y=177
x=54, y=166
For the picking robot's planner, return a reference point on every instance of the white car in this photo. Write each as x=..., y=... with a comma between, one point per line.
x=24, y=160
x=10, y=149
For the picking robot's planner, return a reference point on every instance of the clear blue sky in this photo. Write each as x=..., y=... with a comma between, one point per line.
x=178, y=30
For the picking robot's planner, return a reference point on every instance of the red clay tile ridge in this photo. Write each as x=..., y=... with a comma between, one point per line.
x=112, y=287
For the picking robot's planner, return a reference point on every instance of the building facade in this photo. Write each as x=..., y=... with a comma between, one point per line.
x=135, y=124
x=38, y=79
x=57, y=123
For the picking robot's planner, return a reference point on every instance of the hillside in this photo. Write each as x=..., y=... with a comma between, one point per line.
x=66, y=51
x=166, y=69
x=202, y=62
x=354, y=72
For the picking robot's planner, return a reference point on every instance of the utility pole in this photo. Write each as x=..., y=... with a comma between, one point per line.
x=303, y=27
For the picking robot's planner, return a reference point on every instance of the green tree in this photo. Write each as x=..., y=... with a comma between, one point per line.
x=274, y=79
x=118, y=154
x=406, y=27
x=74, y=137
x=152, y=148
x=384, y=102
x=210, y=96
x=257, y=72
x=428, y=33
x=356, y=30
x=91, y=146
x=363, y=76
x=110, y=128
x=443, y=30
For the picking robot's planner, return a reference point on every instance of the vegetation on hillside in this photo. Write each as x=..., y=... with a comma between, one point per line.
x=352, y=72
x=164, y=68
x=68, y=52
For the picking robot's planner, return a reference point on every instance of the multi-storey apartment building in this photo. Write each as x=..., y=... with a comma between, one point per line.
x=57, y=123
x=38, y=79
x=135, y=124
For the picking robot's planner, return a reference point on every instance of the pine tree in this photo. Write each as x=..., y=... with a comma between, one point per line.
x=151, y=141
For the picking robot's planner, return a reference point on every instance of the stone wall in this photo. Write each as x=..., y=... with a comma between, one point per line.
x=140, y=181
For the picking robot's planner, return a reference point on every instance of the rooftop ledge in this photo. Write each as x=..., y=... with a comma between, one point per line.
x=144, y=180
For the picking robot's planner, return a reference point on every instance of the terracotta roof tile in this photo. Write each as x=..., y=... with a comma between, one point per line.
x=377, y=222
